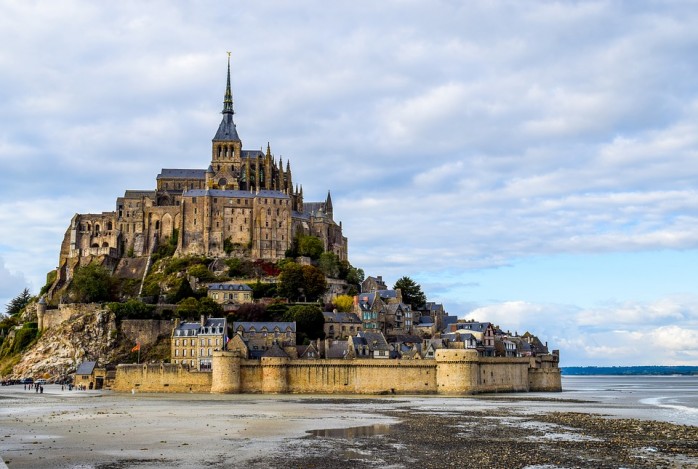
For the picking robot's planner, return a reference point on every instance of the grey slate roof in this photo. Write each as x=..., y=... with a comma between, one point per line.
x=226, y=130
x=189, y=329
x=341, y=317
x=337, y=349
x=276, y=351
x=86, y=368
x=233, y=193
x=313, y=208
x=374, y=340
x=387, y=293
x=251, y=154
x=474, y=326
x=229, y=286
x=174, y=173
x=136, y=194
x=258, y=326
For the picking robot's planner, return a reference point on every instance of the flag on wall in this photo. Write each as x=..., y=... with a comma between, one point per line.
x=136, y=348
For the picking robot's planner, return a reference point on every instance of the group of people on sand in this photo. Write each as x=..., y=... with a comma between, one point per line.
x=36, y=386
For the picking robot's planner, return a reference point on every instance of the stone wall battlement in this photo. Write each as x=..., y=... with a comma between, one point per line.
x=452, y=372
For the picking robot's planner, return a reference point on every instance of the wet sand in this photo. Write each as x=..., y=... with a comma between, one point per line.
x=92, y=429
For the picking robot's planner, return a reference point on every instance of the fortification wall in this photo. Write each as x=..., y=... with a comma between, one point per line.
x=55, y=317
x=544, y=380
x=145, y=331
x=502, y=375
x=454, y=372
x=164, y=377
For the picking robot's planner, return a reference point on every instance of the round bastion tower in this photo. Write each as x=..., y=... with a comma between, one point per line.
x=226, y=372
x=40, y=313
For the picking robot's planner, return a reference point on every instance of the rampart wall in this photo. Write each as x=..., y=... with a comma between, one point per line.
x=163, y=377
x=145, y=331
x=451, y=372
x=56, y=317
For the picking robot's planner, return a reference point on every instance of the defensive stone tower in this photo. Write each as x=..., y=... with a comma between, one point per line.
x=456, y=371
x=226, y=379
x=40, y=313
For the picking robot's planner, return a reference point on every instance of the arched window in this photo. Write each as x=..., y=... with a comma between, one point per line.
x=105, y=244
x=109, y=226
x=157, y=224
x=96, y=228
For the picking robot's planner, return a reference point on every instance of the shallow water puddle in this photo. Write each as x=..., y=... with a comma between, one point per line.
x=352, y=432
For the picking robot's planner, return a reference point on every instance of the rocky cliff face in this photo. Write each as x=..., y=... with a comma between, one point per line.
x=88, y=335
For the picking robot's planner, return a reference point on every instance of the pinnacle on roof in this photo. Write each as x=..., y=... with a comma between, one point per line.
x=228, y=99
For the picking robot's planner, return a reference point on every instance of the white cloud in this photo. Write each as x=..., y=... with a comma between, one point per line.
x=452, y=137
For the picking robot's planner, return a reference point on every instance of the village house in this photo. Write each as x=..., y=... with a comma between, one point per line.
x=193, y=343
x=230, y=293
x=369, y=344
x=90, y=376
x=260, y=336
x=341, y=325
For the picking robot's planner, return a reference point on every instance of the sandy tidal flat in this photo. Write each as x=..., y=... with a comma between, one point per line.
x=61, y=429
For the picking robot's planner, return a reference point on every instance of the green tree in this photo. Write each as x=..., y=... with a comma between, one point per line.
x=17, y=304
x=329, y=264
x=209, y=308
x=249, y=312
x=92, y=283
x=310, y=246
x=309, y=322
x=291, y=281
x=201, y=272
x=411, y=292
x=188, y=308
x=301, y=282
x=315, y=283
x=184, y=291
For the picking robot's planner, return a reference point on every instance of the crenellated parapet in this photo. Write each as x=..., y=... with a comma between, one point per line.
x=452, y=372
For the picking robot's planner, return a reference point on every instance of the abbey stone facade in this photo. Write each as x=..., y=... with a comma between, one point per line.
x=245, y=201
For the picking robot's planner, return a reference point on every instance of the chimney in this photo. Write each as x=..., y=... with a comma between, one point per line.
x=203, y=320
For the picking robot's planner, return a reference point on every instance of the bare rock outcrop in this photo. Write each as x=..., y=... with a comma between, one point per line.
x=90, y=334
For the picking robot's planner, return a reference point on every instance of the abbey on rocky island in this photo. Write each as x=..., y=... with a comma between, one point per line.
x=244, y=204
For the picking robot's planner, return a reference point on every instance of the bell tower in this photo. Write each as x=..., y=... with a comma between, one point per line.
x=226, y=161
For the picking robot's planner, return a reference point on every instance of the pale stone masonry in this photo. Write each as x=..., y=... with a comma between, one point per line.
x=452, y=372
x=245, y=204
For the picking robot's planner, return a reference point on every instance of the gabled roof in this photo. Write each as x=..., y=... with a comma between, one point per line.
x=215, y=322
x=459, y=337
x=276, y=351
x=374, y=340
x=331, y=316
x=175, y=173
x=474, y=326
x=86, y=368
x=387, y=293
x=137, y=194
x=337, y=349
x=258, y=326
x=229, y=286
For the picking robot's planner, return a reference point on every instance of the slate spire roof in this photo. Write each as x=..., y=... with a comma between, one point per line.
x=227, y=130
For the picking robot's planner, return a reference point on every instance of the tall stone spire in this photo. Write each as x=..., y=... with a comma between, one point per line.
x=226, y=130
x=228, y=99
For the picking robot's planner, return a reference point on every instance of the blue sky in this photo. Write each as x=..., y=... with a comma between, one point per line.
x=529, y=163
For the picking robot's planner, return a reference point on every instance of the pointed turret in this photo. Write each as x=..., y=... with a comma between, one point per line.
x=289, y=181
x=328, y=204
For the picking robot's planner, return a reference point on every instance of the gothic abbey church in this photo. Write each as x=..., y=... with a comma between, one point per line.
x=244, y=204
